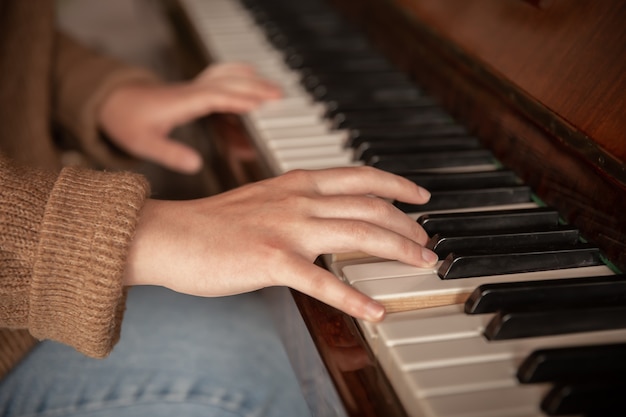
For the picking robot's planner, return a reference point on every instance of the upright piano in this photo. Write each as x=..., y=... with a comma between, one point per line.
x=513, y=114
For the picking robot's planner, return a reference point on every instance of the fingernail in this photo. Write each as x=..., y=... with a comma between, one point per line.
x=430, y=257
x=425, y=193
x=374, y=311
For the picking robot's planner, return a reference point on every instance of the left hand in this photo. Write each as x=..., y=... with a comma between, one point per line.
x=139, y=117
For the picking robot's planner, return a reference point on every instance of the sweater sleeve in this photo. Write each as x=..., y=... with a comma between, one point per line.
x=82, y=80
x=63, y=245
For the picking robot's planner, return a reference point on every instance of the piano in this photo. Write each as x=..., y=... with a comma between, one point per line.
x=512, y=112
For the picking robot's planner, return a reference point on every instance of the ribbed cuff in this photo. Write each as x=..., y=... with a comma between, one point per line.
x=77, y=295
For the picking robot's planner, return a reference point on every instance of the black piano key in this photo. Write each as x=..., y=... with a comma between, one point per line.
x=464, y=180
x=443, y=244
x=591, y=399
x=346, y=66
x=467, y=265
x=460, y=199
x=578, y=363
x=380, y=95
x=369, y=150
x=391, y=117
x=311, y=61
x=335, y=107
x=554, y=293
x=356, y=79
x=404, y=163
x=348, y=92
x=489, y=220
x=514, y=325
x=362, y=134
x=375, y=80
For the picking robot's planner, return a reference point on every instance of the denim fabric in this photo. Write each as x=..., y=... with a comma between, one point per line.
x=178, y=356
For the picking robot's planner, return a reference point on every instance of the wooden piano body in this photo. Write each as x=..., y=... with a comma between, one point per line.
x=542, y=83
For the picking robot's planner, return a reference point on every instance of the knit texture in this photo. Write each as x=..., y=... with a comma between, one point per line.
x=64, y=234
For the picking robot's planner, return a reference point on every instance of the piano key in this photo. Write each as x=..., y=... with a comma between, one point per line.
x=476, y=349
x=312, y=61
x=390, y=117
x=458, y=181
x=489, y=220
x=287, y=121
x=423, y=367
x=347, y=65
x=445, y=243
x=499, y=402
x=467, y=198
x=410, y=288
x=367, y=151
x=465, y=265
x=602, y=398
x=335, y=138
x=293, y=132
x=313, y=152
x=573, y=363
x=496, y=365
x=557, y=294
x=401, y=163
x=334, y=107
x=362, y=134
x=346, y=91
x=513, y=325
x=319, y=162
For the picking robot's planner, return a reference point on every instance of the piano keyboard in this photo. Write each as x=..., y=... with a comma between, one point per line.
x=344, y=105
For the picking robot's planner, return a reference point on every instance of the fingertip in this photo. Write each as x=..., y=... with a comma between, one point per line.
x=192, y=163
x=188, y=163
x=429, y=257
x=374, y=311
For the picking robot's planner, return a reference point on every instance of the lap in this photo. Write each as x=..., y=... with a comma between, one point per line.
x=177, y=355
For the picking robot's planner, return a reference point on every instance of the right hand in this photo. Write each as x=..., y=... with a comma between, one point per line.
x=269, y=233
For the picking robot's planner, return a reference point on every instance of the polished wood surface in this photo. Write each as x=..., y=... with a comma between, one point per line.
x=569, y=56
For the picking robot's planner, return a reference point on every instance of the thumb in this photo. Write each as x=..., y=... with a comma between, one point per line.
x=172, y=155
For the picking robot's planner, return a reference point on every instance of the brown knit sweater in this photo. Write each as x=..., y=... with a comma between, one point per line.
x=64, y=234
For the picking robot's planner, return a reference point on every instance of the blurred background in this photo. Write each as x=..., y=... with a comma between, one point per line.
x=138, y=32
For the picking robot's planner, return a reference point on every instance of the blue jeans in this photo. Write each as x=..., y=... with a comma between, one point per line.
x=178, y=356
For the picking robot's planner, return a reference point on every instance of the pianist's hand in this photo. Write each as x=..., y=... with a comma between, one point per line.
x=269, y=233
x=139, y=117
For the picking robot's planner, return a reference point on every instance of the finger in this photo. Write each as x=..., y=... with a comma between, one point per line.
x=371, y=210
x=368, y=180
x=324, y=286
x=349, y=235
x=255, y=87
x=198, y=102
x=170, y=154
x=228, y=68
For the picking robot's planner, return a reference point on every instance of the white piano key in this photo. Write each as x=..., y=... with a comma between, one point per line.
x=276, y=109
x=329, y=161
x=464, y=378
x=311, y=152
x=294, y=132
x=499, y=402
x=428, y=290
x=477, y=349
x=304, y=119
x=335, y=138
